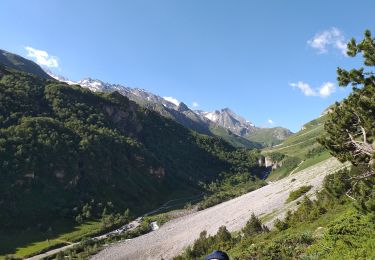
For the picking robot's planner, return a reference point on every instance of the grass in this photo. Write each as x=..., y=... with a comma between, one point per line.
x=293, y=195
x=32, y=241
x=314, y=160
x=267, y=217
x=242, y=250
x=302, y=145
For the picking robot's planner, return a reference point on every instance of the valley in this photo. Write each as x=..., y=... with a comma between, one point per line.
x=95, y=170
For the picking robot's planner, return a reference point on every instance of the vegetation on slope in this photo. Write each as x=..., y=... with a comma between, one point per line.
x=268, y=137
x=68, y=155
x=299, y=150
x=298, y=193
x=17, y=62
x=330, y=227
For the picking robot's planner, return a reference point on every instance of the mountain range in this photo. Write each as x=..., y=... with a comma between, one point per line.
x=224, y=122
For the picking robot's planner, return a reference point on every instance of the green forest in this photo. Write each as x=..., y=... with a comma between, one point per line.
x=67, y=154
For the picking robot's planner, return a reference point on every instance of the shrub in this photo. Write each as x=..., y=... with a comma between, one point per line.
x=253, y=226
x=298, y=193
x=281, y=225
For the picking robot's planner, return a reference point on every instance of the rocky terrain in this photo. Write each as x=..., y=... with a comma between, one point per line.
x=267, y=202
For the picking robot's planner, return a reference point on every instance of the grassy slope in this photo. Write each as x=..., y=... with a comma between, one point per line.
x=298, y=145
x=268, y=136
x=234, y=139
x=271, y=241
x=63, y=234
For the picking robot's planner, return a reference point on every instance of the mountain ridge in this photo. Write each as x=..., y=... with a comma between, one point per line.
x=223, y=123
x=197, y=120
x=15, y=61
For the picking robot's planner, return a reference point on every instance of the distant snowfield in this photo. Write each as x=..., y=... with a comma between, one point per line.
x=171, y=238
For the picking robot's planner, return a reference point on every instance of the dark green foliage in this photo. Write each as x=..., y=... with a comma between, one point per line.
x=351, y=236
x=290, y=162
x=253, y=226
x=280, y=225
x=223, y=235
x=276, y=156
x=350, y=126
x=337, y=184
x=66, y=152
x=204, y=245
x=315, y=151
x=298, y=193
x=287, y=247
x=228, y=187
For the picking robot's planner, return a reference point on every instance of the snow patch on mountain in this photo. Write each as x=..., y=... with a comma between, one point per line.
x=172, y=100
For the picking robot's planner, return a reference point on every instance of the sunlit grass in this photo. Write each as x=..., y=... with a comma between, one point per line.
x=44, y=240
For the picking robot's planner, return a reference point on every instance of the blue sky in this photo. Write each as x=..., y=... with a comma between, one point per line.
x=269, y=61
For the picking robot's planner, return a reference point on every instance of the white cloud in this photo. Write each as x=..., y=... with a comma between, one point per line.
x=333, y=38
x=304, y=87
x=172, y=100
x=195, y=104
x=42, y=57
x=325, y=90
x=270, y=121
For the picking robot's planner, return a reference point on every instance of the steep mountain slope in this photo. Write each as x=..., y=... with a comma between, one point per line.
x=66, y=152
x=181, y=113
x=298, y=151
x=19, y=63
x=227, y=119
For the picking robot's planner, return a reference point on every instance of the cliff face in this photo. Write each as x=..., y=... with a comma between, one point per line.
x=266, y=161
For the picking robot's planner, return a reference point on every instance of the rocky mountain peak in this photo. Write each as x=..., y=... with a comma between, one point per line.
x=228, y=119
x=182, y=107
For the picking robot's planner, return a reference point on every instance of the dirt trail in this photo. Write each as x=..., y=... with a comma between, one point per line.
x=174, y=236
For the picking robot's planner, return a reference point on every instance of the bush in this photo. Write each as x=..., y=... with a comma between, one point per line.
x=298, y=193
x=253, y=226
x=281, y=225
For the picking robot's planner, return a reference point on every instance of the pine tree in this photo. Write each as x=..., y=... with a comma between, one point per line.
x=253, y=226
x=350, y=127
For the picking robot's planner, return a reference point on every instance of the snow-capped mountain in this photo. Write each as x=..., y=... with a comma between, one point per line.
x=229, y=120
x=224, y=123
x=135, y=94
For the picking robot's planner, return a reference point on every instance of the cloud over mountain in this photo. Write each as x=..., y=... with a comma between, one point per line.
x=42, y=57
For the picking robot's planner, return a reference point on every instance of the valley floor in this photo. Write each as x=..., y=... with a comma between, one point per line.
x=267, y=202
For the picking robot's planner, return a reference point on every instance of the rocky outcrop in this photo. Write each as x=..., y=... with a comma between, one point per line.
x=266, y=161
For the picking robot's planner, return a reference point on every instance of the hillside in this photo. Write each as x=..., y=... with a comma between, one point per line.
x=231, y=127
x=229, y=120
x=269, y=137
x=17, y=62
x=70, y=155
x=298, y=151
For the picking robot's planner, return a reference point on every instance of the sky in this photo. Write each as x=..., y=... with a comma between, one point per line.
x=272, y=62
